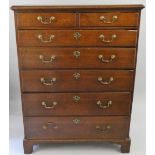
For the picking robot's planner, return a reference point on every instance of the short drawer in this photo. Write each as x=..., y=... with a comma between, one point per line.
x=109, y=19
x=42, y=20
x=50, y=104
x=56, y=58
x=77, y=37
x=76, y=127
x=76, y=80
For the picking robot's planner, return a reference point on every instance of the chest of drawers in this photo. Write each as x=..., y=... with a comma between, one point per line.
x=77, y=69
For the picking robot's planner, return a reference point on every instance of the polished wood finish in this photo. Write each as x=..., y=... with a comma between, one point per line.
x=66, y=38
x=28, y=146
x=125, y=143
x=125, y=146
x=64, y=127
x=77, y=71
x=61, y=19
x=86, y=105
x=88, y=81
x=123, y=19
x=79, y=8
x=88, y=58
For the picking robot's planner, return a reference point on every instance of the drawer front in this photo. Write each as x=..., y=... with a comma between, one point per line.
x=76, y=80
x=40, y=58
x=77, y=38
x=109, y=19
x=46, y=20
x=76, y=127
x=45, y=104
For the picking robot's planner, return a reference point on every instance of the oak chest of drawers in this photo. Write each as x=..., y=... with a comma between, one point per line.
x=77, y=69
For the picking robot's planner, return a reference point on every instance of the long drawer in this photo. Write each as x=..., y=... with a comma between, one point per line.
x=76, y=80
x=76, y=127
x=54, y=104
x=77, y=37
x=53, y=58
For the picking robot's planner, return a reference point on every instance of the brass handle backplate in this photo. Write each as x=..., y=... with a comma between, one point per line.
x=41, y=38
x=51, y=81
x=104, y=20
x=41, y=57
x=101, y=57
x=45, y=20
x=76, y=76
x=100, y=79
x=103, y=128
x=76, y=121
x=102, y=37
x=76, y=98
x=77, y=35
x=104, y=105
x=50, y=124
x=44, y=104
x=76, y=54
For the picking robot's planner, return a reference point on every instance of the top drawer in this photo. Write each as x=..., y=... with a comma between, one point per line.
x=46, y=19
x=109, y=19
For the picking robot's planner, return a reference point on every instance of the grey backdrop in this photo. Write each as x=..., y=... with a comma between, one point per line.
x=138, y=115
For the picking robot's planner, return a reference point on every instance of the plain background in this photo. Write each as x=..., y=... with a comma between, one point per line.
x=137, y=132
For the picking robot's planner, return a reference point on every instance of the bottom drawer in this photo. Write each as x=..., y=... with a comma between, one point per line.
x=76, y=127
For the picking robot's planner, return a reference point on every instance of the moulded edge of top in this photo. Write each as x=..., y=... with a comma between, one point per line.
x=78, y=7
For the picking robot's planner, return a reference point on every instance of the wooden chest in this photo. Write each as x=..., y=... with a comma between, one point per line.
x=77, y=69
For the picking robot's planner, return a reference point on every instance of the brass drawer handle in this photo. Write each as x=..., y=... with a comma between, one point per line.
x=76, y=76
x=43, y=81
x=43, y=103
x=76, y=54
x=45, y=20
x=103, y=128
x=105, y=105
x=40, y=37
x=76, y=121
x=50, y=124
x=100, y=79
x=104, y=20
x=77, y=35
x=101, y=57
x=41, y=57
x=102, y=37
x=76, y=98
